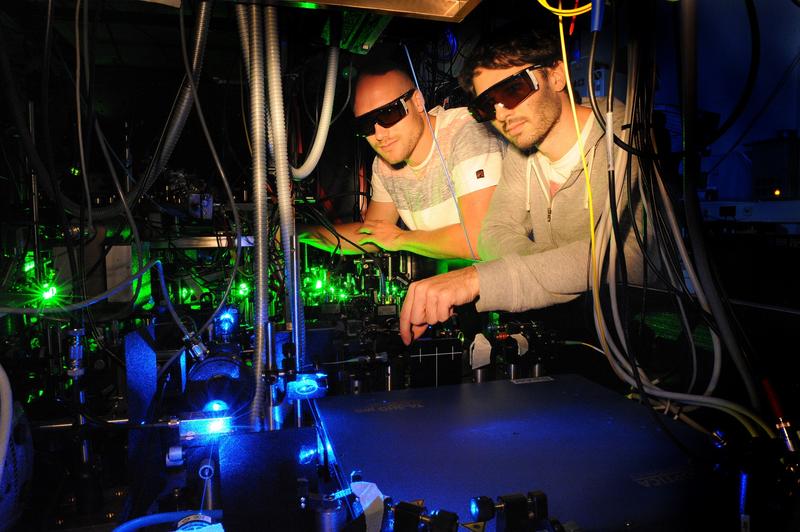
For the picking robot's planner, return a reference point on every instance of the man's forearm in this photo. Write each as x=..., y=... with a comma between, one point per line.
x=496, y=241
x=323, y=238
x=516, y=283
x=444, y=243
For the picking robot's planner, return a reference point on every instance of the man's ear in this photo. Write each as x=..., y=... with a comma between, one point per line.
x=556, y=77
x=419, y=101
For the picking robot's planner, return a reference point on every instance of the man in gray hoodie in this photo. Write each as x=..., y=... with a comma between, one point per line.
x=536, y=235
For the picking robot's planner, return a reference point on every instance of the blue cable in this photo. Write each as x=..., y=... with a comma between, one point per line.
x=160, y=519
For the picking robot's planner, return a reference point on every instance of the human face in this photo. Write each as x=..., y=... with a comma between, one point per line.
x=507, y=93
x=394, y=142
x=529, y=122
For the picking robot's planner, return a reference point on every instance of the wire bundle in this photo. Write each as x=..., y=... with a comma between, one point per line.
x=660, y=240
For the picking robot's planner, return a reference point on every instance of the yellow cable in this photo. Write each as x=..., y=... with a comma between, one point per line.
x=595, y=266
x=566, y=12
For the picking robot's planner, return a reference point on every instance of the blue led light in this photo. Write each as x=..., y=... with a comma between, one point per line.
x=215, y=406
x=742, y=493
x=306, y=455
x=212, y=426
x=227, y=320
x=473, y=508
x=329, y=451
x=341, y=494
x=219, y=425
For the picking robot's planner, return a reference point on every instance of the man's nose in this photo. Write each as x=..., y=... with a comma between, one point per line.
x=380, y=132
x=501, y=113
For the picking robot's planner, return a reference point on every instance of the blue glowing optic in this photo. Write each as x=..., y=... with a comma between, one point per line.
x=226, y=322
x=219, y=425
x=473, y=508
x=190, y=428
x=306, y=387
x=215, y=406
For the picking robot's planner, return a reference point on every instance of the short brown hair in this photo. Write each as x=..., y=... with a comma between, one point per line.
x=508, y=47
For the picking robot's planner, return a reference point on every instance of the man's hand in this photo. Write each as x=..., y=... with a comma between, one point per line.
x=383, y=234
x=432, y=300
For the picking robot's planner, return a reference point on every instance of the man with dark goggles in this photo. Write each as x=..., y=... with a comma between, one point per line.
x=385, y=116
x=409, y=180
x=507, y=93
x=534, y=239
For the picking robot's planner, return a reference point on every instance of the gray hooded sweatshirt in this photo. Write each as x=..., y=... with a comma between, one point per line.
x=538, y=249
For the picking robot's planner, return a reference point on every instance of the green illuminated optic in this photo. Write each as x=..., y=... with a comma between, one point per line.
x=307, y=5
x=48, y=292
x=74, y=170
x=29, y=262
x=244, y=289
x=318, y=284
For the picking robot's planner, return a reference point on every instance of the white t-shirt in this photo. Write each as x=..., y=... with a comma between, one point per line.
x=474, y=157
x=557, y=172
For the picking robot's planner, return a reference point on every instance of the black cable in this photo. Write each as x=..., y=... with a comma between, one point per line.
x=46, y=178
x=596, y=109
x=628, y=350
x=103, y=423
x=645, y=166
x=171, y=132
x=691, y=170
x=128, y=214
x=332, y=229
x=781, y=82
x=105, y=295
x=44, y=101
x=196, y=98
x=752, y=73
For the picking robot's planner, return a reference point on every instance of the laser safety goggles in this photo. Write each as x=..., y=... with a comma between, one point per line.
x=509, y=93
x=386, y=115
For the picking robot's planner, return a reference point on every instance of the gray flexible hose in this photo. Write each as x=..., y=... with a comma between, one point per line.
x=6, y=414
x=283, y=171
x=260, y=208
x=243, y=25
x=325, y=119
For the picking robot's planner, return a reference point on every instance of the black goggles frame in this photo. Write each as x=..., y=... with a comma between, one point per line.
x=482, y=107
x=385, y=115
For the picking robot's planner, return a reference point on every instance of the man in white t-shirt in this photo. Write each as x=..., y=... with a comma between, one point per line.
x=411, y=179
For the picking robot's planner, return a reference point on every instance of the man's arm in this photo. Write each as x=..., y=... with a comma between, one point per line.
x=349, y=233
x=443, y=243
x=513, y=283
